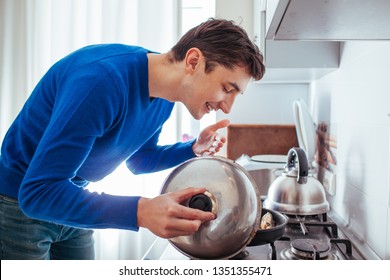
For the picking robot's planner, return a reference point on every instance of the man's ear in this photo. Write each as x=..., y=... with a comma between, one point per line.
x=193, y=57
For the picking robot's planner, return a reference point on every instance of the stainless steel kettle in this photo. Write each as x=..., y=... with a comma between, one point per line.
x=296, y=191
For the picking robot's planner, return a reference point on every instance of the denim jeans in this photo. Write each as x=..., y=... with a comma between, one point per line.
x=25, y=238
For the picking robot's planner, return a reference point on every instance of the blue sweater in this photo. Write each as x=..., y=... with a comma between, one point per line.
x=90, y=112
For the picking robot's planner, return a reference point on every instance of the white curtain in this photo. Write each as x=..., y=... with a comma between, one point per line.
x=36, y=33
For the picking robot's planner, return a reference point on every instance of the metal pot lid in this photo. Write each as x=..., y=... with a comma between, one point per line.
x=231, y=194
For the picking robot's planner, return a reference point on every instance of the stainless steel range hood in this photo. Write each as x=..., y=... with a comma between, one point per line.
x=330, y=20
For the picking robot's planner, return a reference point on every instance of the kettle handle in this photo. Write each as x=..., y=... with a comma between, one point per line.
x=303, y=167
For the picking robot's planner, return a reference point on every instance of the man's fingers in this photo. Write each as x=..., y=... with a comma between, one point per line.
x=220, y=124
x=188, y=213
x=181, y=227
x=183, y=195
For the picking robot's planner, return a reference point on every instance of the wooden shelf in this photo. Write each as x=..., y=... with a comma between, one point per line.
x=260, y=139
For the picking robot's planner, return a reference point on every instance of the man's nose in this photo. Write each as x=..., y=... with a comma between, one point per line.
x=227, y=104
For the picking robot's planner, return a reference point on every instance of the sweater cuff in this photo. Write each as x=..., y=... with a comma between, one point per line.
x=134, y=214
x=191, y=153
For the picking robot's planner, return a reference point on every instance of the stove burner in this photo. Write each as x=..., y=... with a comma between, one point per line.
x=310, y=249
x=286, y=254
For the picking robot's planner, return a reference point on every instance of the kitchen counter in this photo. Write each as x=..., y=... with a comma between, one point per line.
x=162, y=249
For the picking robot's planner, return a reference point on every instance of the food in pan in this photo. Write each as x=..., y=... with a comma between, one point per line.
x=267, y=221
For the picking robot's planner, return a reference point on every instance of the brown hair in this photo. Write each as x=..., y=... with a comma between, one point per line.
x=221, y=42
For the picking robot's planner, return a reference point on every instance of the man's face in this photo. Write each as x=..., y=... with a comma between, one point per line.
x=215, y=90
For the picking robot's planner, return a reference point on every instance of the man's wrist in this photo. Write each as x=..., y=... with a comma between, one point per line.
x=141, y=211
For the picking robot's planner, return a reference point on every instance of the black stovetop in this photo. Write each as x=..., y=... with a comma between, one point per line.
x=306, y=237
x=315, y=236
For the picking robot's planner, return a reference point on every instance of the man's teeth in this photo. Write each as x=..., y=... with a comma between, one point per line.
x=209, y=107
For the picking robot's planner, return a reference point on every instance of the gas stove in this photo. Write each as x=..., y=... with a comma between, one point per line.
x=313, y=237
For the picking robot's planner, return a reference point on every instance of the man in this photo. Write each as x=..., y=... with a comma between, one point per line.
x=102, y=105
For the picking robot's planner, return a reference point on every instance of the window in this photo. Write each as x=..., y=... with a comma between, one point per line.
x=193, y=12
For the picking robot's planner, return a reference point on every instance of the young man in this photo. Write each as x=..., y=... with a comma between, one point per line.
x=102, y=105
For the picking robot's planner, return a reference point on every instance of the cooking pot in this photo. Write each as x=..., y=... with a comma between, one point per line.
x=296, y=191
x=232, y=195
x=262, y=172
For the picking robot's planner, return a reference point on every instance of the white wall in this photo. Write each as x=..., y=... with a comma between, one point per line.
x=240, y=12
x=355, y=99
x=260, y=103
x=267, y=104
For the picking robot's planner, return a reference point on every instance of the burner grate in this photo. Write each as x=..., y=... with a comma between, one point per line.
x=313, y=221
x=286, y=254
x=314, y=237
x=321, y=240
x=310, y=249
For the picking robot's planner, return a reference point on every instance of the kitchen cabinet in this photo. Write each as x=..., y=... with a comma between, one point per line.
x=329, y=20
x=301, y=39
x=290, y=61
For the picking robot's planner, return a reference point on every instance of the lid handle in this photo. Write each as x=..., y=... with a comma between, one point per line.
x=201, y=202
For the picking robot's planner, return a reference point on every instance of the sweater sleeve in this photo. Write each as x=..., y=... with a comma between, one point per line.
x=152, y=157
x=81, y=114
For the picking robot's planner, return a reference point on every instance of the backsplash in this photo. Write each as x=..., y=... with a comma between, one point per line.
x=355, y=98
x=326, y=156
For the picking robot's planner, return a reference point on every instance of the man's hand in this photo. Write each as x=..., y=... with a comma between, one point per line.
x=167, y=218
x=209, y=141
